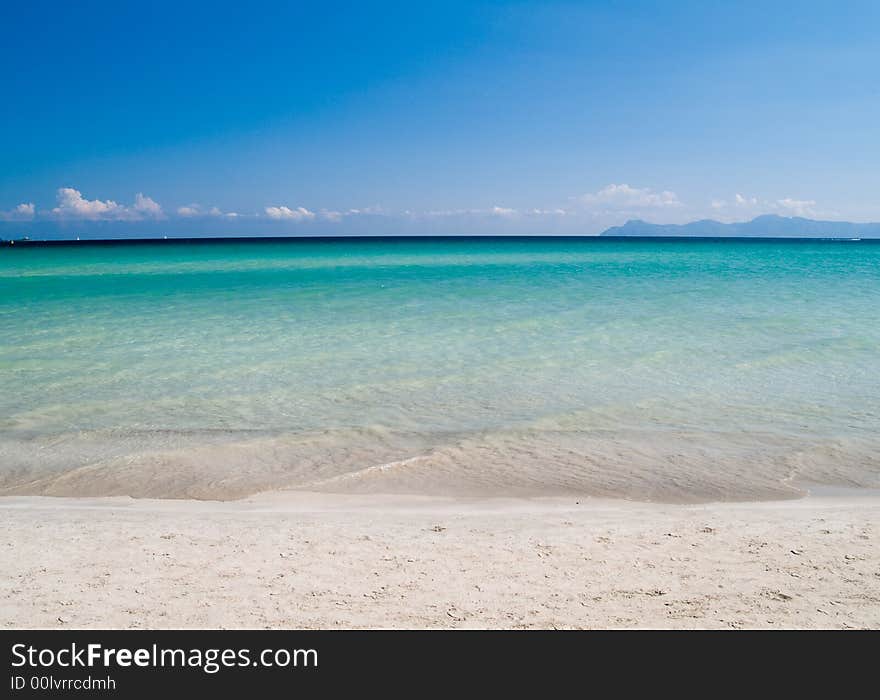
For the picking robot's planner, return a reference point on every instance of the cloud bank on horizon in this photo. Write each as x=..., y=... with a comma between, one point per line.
x=586, y=213
x=448, y=117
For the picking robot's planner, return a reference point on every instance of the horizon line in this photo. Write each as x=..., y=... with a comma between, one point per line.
x=51, y=242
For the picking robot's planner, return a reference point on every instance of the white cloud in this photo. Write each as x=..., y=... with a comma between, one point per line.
x=741, y=206
x=624, y=198
x=448, y=212
x=288, y=214
x=798, y=207
x=502, y=211
x=147, y=206
x=23, y=212
x=72, y=205
x=738, y=207
x=745, y=201
x=191, y=210
x=546, y=212
x=335, y=216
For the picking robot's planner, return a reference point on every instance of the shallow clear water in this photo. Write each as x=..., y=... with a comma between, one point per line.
x=675, y=370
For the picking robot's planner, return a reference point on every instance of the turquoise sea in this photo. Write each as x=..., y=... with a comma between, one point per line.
x=676, y=370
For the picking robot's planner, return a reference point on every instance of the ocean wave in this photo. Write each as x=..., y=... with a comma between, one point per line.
x=645, y=465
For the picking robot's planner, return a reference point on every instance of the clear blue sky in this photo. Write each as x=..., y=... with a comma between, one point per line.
x=449, y=117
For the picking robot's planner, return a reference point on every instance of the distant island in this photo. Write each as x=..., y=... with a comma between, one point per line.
x=768, y=226
x=765, y=226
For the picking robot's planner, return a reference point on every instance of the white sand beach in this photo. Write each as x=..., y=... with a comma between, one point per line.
x=303, y=560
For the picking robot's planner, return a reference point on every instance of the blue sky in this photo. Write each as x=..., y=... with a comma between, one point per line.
x=125, y=119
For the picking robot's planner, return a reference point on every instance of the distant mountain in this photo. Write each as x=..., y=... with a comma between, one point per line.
x=768, y=225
